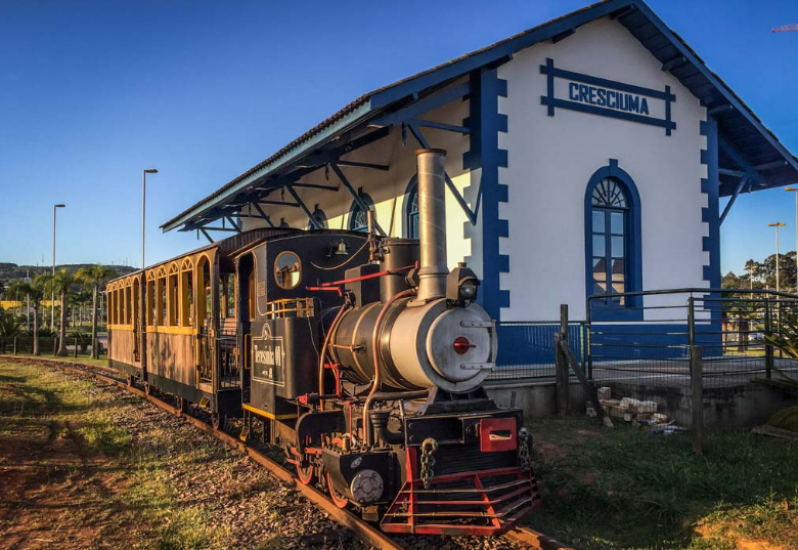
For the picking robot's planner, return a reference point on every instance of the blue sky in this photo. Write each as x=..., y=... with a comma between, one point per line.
x=91, y=92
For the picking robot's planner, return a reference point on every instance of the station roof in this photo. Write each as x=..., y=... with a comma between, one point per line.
x=751, y=157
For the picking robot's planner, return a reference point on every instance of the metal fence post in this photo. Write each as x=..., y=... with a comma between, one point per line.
x=55, y=345
x=589, y=340
x=697, y=397
x=691, y=321
x=768, y=345
x=76, y=347
x=560, y=363
x=15, y=345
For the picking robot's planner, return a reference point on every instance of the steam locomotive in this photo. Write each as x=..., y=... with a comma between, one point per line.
x=362, y=357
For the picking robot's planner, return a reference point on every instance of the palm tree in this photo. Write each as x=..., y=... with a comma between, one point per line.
x=93, y=277
x=60, y=283
x=35, y=291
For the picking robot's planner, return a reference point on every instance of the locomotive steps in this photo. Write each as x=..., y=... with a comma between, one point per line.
x=237, y=501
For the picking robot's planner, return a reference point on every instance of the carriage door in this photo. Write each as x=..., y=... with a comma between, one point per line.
x=246, y=316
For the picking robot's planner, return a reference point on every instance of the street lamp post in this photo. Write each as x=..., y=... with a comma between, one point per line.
x=795, y=190
x=52, y=295
x=777, y=225
x=143, y=285
x=144, y=208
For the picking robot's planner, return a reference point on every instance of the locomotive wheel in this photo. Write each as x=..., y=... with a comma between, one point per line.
x=218, y=421
x=338, y=500
x=306, y=474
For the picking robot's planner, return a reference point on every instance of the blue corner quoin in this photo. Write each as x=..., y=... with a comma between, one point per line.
x=486, y=123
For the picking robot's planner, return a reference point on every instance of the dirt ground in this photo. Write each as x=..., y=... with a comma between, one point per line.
x=86, y=466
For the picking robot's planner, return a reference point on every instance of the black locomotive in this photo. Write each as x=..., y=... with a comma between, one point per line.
x=363, y=358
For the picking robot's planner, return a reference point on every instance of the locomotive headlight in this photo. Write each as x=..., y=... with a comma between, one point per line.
x=468, y=289
x=462, y=285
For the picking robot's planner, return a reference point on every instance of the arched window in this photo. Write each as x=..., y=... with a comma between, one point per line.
x=320, y=217
x=358, y=217
x=610, y=219
x=411, y=210
x=613, y=239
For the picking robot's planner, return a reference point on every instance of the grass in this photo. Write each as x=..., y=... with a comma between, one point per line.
x=60, y=438
x=622, y=488
x=85, y=359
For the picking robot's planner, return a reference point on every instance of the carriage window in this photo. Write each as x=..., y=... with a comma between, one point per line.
x=227, y=295
x=128, y=318
x=160, y=306
x=173, y=294
x=187, y=304
x=134, y=305
x=287, y=270
x=150, y=302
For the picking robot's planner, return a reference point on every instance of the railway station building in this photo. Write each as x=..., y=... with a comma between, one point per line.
x=585, y=156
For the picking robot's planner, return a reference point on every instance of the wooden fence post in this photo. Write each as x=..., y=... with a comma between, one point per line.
x=697, y=398
x=15, y=345
x=76, y=347
x=55, y=345
x=561, y=373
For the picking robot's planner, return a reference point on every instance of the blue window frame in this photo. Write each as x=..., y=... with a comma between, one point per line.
x=411, y=230
x=358, y=218
x=613, y=243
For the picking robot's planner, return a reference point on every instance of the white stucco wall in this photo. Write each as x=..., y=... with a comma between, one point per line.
x=551, y=160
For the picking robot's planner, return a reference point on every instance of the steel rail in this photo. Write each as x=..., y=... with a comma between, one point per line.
x=365, y=532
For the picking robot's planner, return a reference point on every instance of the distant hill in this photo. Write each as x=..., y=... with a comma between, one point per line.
x=10, y=271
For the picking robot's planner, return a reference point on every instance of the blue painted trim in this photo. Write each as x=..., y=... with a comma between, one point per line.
x=486, y=122
x=733, y=199
x=550, y=69
x=710, y=215
x=410, y=190
x=634, y=272
x=495, y=53
x=551, y=102
x=362, y=200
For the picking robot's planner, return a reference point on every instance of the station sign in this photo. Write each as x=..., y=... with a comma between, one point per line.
x=599, y=96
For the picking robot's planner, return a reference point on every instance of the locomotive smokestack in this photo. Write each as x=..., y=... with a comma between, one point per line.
x=432, y=224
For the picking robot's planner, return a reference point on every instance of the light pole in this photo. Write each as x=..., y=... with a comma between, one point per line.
x=52, y=295
x=777, y=225
x=142, y=321
x=795, y=190
x=144, y=208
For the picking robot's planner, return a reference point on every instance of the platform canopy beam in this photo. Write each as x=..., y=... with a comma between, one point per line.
x=359, y=201
x=472, y=215
x=313, y=221
x=263, y=215
x=737, y=190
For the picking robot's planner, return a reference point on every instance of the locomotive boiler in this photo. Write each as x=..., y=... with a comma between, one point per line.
x=362, y=357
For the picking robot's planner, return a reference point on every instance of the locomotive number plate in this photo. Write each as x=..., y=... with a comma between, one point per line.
x=268, y=357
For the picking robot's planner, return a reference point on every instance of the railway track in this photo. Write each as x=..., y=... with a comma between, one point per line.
x=523, y=536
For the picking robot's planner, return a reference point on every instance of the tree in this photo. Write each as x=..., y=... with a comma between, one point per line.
x=60, y=284
x=35, y=291
x=92, y=277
